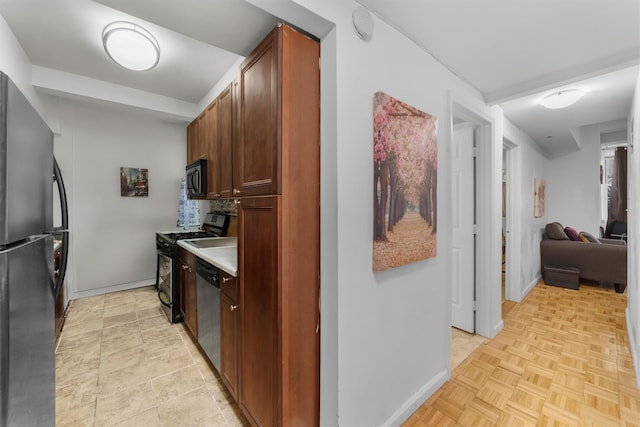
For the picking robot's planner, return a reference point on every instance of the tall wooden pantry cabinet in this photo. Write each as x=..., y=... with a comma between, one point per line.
x=277, y=180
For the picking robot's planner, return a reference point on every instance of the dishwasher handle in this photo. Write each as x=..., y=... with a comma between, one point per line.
x=208, y=272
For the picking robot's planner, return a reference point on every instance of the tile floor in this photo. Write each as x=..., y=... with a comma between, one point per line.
x=462, y=345
x=119, y=362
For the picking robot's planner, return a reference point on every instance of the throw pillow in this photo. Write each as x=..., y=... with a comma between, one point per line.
x=555, y=231
x=588, y=237
x=573, y=234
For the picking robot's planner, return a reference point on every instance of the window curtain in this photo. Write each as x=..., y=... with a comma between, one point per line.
x=618, y=191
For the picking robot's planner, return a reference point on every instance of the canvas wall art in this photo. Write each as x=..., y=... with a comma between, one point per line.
x=134, y=182
x=538, y=197
x=405, y=171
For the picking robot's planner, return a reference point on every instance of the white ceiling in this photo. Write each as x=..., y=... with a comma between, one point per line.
x=199, y=39
x=511, y=51
x=514, y=52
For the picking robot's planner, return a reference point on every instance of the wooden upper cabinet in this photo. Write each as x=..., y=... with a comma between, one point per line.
x=258, y=151
x=196, y=144
x=279, y=106
x=225, y=142
x=212, y=143
x=201, y=132
x=191, y=137
x=211, y=136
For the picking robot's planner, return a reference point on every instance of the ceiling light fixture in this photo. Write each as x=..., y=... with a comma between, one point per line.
x=131, y=46
x=562, y=98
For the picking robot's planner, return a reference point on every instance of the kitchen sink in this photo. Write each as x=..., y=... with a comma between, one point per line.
x=213, y=242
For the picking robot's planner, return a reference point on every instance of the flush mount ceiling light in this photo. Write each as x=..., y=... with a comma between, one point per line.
x=131, y=46
x=562, y=98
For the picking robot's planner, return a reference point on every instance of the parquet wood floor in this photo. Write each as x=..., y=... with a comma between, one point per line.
x=562, y=359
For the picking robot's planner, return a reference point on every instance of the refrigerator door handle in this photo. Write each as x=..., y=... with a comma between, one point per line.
x=64, y=229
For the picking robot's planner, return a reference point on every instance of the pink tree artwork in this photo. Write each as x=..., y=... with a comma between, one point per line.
x=405, y=172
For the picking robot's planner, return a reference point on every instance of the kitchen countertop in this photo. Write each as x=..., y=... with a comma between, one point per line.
x=223, y=254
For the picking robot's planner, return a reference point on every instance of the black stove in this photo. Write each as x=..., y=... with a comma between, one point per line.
x=166, y=242
x=215, y=225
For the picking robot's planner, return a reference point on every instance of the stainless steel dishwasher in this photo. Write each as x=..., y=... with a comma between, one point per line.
x=208, y=297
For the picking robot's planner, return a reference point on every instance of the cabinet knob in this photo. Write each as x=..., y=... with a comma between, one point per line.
x=234, y=307
x=227, y=279
x=236, y=192
x=237, y=202
x=184, y=267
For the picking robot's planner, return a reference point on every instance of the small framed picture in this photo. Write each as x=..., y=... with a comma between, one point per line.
x=538, y=197
x=134, y=182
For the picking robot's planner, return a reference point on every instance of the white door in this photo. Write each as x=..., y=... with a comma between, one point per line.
x=463, y=256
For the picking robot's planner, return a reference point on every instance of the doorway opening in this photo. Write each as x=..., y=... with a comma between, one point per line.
x=507, y=291
x=464, y=340
x=478, y=296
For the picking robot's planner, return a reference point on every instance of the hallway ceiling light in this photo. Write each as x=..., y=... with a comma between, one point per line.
x=131, y=46
x=562, y=98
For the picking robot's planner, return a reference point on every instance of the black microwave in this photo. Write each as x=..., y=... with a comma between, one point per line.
x=197, y=178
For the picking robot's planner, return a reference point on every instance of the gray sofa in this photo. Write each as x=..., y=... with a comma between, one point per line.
x=605, y=261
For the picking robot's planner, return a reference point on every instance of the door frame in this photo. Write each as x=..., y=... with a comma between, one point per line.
x=488, y=122
x=513, y=285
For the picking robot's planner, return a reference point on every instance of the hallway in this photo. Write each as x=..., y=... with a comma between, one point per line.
x=562, y=358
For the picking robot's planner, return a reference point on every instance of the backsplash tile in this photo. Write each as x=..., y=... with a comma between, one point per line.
x=226, y=206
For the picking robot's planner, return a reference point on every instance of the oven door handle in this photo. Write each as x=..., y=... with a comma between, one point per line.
x=164, y=300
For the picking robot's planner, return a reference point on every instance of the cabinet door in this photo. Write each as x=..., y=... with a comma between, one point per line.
x=191, y=141
x=201, y=140
x=229, y=325
x=258, y=264
x=188, y=301
x=225, y=142
x=213, y=150
x=196, y=139
x=258, y=152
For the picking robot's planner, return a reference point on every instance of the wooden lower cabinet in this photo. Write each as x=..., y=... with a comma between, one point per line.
x=258, y=258
x=229, y=329
x=279, y=356
x=188, y=296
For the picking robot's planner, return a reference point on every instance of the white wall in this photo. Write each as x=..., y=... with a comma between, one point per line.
x=532, y=164
x=573, y=187
x=633, y=217
x=15, y=63
x=113, y=237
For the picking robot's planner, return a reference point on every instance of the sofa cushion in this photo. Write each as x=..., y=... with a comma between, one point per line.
x=588, y=237
x=572, y=234
x=555, y=231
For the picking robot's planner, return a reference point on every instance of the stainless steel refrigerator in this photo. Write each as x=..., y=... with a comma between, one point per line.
x=27, y=283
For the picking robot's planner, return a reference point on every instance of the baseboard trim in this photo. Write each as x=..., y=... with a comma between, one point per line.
x=410, y=406
x=633, y=345
x=529, y=287
x=109, y=289
x=497, y=328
